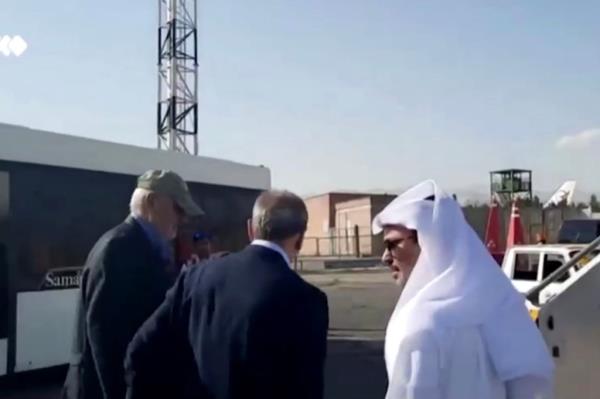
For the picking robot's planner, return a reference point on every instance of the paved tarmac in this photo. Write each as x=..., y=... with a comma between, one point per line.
x=360, y=303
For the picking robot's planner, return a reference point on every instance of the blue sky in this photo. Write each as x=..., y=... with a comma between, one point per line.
x=338, y=94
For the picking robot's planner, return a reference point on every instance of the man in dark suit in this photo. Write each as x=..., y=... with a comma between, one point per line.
x=124, y=280
x=242, y=326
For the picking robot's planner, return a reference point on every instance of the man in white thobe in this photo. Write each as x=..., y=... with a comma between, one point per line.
x=460, y=330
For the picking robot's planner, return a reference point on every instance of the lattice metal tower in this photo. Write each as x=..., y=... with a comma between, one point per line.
x=177, y=124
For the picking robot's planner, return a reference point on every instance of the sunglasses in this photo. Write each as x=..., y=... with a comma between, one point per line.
x=391, y=245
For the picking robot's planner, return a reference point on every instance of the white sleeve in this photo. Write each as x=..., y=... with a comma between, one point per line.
x=529, y=387
x=416, y=370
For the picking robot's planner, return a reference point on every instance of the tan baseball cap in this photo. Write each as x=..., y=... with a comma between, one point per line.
x=170, y=184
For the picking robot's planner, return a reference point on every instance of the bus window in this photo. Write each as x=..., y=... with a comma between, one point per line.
x=3, y=291
x=4, y=213
x=579, y=231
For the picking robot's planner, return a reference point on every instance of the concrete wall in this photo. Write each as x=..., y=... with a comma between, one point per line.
x=343, y=211
x=321, y=222
x=332, y=218
x=318, y=222
x=335, y=199
x=349, y=214
x=378, y=204
x=318, y=215
x=353, y=213
x=531, y=219
x=339, y=240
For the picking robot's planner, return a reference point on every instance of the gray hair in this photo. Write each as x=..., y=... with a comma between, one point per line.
x=279, y=215
x=138, y=202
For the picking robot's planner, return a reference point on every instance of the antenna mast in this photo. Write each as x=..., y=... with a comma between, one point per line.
x=177, y=124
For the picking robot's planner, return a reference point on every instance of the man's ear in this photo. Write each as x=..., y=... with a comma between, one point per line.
x=250, y=230
x=299, y=242
x=151, y=200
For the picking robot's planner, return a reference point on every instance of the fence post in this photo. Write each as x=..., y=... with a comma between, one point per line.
x=356, y=241
x=318, y=249
x=332, y=244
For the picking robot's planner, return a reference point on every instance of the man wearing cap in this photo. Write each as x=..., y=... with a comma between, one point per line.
x=123, y=281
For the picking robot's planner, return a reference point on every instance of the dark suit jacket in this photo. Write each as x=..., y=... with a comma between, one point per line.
x=246, y=325
x=123, y=282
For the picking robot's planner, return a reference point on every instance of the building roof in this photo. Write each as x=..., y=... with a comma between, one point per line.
x=511, y=170
x=25, y=145
x=356, y=194
x=361, y=202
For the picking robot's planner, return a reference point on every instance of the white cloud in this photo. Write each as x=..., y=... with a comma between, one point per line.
x=579, y=140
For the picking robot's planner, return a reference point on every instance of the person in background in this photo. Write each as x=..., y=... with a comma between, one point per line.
x=201, y=247
x=540, y=239
x=241, y=326
x=124, y=280
x=452, y=333
x=185, y=251
x=195, y=248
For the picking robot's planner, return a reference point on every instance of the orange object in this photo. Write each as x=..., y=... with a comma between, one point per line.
x=515, y=235
x=492, y=232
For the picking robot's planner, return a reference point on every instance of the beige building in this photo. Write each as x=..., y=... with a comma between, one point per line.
x=336, y=218
x=340, y=224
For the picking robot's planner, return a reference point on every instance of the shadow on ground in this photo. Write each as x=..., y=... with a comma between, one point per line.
x=359, y=305
x=355, y=369
x=44, y=384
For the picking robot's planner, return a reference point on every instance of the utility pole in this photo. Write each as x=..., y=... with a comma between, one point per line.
x=177, y=111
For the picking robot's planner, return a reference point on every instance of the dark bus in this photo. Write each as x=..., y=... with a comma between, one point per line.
x=579, y=231
x=58, y=195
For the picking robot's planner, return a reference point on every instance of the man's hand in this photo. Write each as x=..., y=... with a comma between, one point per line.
x=194, y=259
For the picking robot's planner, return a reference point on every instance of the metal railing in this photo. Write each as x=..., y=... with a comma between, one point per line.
x=533, y=294
x=342, y=246
x=356, y=241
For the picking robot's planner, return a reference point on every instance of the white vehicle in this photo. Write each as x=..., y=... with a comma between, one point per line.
x=528, y=265
x=58, y=195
